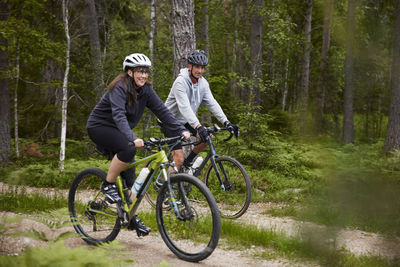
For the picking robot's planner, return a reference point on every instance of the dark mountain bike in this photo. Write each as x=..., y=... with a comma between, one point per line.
x=188, y=220
x=226, y=178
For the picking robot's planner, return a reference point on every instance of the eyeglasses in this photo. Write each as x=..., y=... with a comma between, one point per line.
x=142, y=73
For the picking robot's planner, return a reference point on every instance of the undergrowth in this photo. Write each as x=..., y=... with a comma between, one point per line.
x=107, y=255
x=235, y=234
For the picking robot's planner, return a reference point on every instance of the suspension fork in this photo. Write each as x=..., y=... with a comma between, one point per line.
x=171, y=195
x=172, y=199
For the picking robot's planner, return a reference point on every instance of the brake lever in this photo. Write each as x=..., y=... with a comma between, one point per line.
x=148, y=145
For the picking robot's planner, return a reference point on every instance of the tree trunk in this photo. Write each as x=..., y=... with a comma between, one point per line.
x=65, y=86
x=204, y=29
x=256, y=53
x=235, y=48
x=348, y=123
x=322, y=80
x=147, y=117
x=16, y=101
x=5, y=136
x=285, y=87
x=52, y=72
x=226, y=35
x=95, y=48
x=183, y=34
x=152, y=30
x=393, y=131
x=305, y=78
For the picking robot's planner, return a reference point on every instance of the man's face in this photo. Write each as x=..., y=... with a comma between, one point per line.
x=197, y=71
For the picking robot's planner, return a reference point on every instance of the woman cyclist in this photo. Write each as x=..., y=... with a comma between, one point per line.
x=120, y=109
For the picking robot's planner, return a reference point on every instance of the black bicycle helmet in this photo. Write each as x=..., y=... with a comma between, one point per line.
x=198, y=57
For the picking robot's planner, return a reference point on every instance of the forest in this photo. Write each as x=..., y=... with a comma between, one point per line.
x=328, y=65
x=314, y=86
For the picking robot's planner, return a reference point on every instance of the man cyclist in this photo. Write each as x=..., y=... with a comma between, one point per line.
x=188, y=91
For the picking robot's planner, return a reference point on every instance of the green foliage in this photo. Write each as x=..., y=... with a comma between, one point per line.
x=48, y=175
x=360, y=190
x=263, y=148
x=293, y=248
x=18, y=201
x=58, y=255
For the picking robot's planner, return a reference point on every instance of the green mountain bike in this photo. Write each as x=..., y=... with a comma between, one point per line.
x=188, y=220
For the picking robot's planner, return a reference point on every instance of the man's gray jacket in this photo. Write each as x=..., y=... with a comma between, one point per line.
x=185, y=98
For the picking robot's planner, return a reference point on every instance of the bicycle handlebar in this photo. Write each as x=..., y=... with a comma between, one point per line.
x=156, y=142
x=214, y=129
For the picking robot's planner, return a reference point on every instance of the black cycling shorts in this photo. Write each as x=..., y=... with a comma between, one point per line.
x=113, y=140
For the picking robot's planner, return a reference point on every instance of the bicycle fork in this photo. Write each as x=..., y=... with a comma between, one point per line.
x=225, y=185
x=185, y=214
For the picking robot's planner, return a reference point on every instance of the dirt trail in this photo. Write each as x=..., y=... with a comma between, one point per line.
x=355, y=241
x=151, y=250
x=147, y=252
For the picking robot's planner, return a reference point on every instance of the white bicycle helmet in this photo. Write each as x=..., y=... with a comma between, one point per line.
x=136, y=60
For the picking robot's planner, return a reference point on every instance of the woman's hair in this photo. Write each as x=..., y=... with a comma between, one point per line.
x=129, y=85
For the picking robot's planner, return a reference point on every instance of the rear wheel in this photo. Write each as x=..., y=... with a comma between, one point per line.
x=92, y=216
x=194, y=235
x=234, y=199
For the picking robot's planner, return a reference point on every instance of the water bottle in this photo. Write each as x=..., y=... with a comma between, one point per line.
x=139, y=182
x=197, y=162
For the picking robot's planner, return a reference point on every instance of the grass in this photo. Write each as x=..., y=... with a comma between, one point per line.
x=353, y=196
x=293, y=248
x=28, y=203
x=236, y=235
x=58, y=255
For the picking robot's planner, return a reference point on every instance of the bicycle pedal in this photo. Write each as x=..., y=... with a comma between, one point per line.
x=141, y=233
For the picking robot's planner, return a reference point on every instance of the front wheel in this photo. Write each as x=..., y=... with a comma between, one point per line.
x=233, y=196
x=93, y=218
x=188, y=218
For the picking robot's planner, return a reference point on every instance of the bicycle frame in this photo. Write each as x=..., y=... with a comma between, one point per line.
x=158, y=160
x=211, y=156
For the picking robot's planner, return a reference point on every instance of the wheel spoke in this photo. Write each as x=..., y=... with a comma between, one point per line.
x=194, y=233
x=233, y=198
x=92, y=216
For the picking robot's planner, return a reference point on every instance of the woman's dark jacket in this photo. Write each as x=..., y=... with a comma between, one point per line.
x=113, y=110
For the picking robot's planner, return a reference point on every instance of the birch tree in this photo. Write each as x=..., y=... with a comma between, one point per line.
x=151, y=54
x=183, y=34
x=152, y=28
x=65, y=86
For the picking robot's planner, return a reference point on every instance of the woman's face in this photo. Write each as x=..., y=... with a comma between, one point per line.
x=140, y=76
